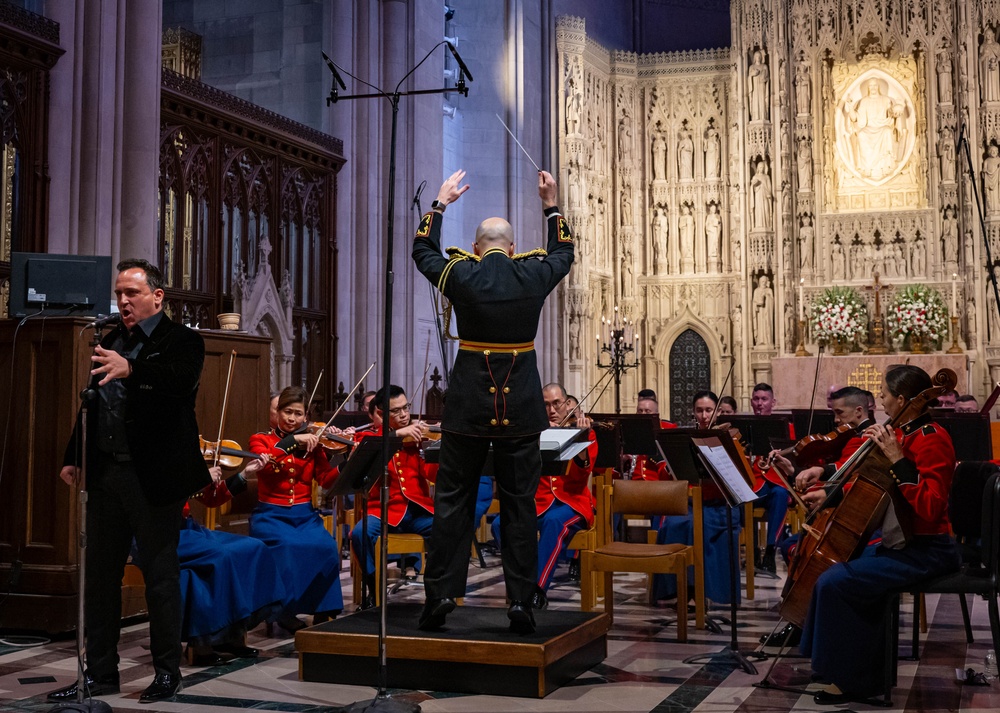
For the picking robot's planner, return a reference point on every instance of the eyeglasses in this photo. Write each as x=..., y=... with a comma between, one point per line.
x=400, y=409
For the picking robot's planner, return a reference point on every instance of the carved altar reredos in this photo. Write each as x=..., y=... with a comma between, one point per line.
x=815, y=151
x=266, y=310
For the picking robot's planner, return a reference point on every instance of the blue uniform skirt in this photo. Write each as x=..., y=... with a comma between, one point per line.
x=306, y=555
x=680, y=529
x=229, y=584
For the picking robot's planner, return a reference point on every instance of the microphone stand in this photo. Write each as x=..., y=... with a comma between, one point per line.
x=964, y=141
x=437, y=315
x=91, y=705
x=383, y=702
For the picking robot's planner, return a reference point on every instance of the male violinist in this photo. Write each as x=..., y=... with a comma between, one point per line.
x=497, y=297
x=143, y=461
x=411, y=508
x=773, y=498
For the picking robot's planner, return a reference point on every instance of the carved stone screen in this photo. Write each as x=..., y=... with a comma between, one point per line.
x=689, y=373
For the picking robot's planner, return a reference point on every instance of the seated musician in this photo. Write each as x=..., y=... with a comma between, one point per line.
x=411, y=507
x=564, y=504
x=229, y=583
x=843, y=631
x=773, y=498
x=727, y=407
x=287, y=522
x=715, y=528
x=966, y=403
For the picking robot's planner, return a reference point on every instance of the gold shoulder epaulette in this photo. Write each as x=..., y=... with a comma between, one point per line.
x=460, y=254
x=537, y=252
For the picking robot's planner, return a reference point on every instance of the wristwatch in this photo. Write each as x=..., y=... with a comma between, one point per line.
x=438, y=205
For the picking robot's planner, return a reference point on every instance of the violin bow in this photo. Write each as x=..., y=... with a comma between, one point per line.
x=423, y=379
x=725, y=383
x=225, y=403
x=348, y=397
x=607, y=375
x=812, y=398
x=315, y=387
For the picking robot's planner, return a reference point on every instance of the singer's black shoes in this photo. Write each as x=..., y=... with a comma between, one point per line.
x=163, y=687
x=522, y=621
x=102, y=686
x=434, y=613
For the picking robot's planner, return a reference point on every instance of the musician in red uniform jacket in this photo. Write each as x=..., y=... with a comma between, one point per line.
x=844, y=630
x=285, y=518
x=411, y=507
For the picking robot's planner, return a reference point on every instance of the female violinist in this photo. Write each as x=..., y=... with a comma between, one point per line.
x=285, y=519
x=844, y=628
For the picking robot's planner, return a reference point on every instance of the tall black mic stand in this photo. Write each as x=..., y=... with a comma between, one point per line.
x=90, y=705
x=383, y=702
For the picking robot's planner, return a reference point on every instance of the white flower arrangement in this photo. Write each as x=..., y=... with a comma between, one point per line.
x=838, y=313
x=917, y=310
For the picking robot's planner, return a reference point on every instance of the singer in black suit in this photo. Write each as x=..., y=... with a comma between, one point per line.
x=143, y=461
x=497, y=395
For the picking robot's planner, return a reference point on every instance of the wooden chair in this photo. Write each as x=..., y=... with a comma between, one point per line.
x=648, y=498
x=399, y=543
x=748, y=548
x=698, y=537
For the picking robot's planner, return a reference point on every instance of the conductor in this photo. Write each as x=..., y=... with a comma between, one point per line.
x=497, y=297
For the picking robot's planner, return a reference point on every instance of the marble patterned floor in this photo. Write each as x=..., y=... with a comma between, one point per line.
x=644, y=670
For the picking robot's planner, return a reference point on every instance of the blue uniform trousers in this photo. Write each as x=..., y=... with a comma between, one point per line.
x=415, y=520
x=845, y=629
x=680, y=529
x=556, y=527
x=774, y=499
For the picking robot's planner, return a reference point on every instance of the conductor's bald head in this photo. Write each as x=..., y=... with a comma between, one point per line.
x=494, y=233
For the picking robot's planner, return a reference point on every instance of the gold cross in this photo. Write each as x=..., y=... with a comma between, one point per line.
x=866, y=377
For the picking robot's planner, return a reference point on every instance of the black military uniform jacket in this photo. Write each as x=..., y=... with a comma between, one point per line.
x=160, y=421
x=495, y=390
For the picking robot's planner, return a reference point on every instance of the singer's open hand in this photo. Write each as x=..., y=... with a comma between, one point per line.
x=111, y=364
x=547, y=189
x=451, y=190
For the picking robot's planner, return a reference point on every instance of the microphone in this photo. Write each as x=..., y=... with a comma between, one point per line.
x=337, y=79
x=102, y=321
x=461, y=65
x=416, y=197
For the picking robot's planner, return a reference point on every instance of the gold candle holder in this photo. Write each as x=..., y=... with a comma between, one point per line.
x=954, y=349
x=800, y=350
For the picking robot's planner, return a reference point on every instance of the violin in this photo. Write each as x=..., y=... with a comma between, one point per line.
x=431, y=432
x=815, y=449
x=329, y=441
x=230, y=454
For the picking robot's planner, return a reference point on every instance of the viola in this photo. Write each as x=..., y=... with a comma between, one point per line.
x=230, y=454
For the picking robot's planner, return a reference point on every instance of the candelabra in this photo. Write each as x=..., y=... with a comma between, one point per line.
x=619, y=339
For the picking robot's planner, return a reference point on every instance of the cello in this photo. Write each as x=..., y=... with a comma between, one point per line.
x=840, y=533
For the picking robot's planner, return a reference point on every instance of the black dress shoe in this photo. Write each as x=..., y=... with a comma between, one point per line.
x=101, y=686
x=163, y=687
x=825, y=698
x=792, y=633
x=574, y=570
x=209, y=658
x=238, y=650
x=522, y=621
x=434, y=613
x=538, y=599
x=290, y=623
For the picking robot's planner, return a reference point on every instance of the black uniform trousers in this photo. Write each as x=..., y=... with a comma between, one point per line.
x=117, y=511
x=517, y=466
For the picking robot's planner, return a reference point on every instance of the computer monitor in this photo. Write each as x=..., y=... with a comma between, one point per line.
x=66, y=284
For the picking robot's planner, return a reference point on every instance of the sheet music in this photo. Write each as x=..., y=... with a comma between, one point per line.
x=556, y=439
x=718, y=459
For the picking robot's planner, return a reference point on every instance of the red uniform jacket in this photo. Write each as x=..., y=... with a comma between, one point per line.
x=924, y=475
x=573, y=488
x=287, y=479
x=409, y=481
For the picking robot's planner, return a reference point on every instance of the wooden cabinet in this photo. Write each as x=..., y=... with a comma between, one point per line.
x=43, y=367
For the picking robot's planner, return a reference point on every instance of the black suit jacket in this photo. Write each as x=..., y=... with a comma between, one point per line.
x=497, y=300
x=160, y=422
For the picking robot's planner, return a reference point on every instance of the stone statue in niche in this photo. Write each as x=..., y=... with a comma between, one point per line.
x=803, y=162
x=659, y=156
x=943, y=62
x=991, y=307
x=713, y=234
x=786, y=253
x=874, y=132
x=918, y=257
x=946, y=151
x=890, y=262
x=789, y=327
x=900, y=261
x=624, y=137
x=574, y=336
x=737, y=319
x=803, y=88
x=989, y=67
x=660, y=236
x=838, y=259
x=685, y=230
x=759, y=81
x=626, y=204
x=973, y=322
x=685, y=155
x=991, y=179
x=761, y=196
x=949, y=239
x=806, y=236
x=574, y=100
x=968, y=248
x=713, y=151
x=786, y=198
x=737, y=257
x=763, y=313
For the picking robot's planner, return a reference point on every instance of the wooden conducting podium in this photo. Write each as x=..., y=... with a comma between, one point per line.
x=42, y=376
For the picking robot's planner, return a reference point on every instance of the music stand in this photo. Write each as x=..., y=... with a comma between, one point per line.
x=757, y=431
x=718, y=458
x=362, y=470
